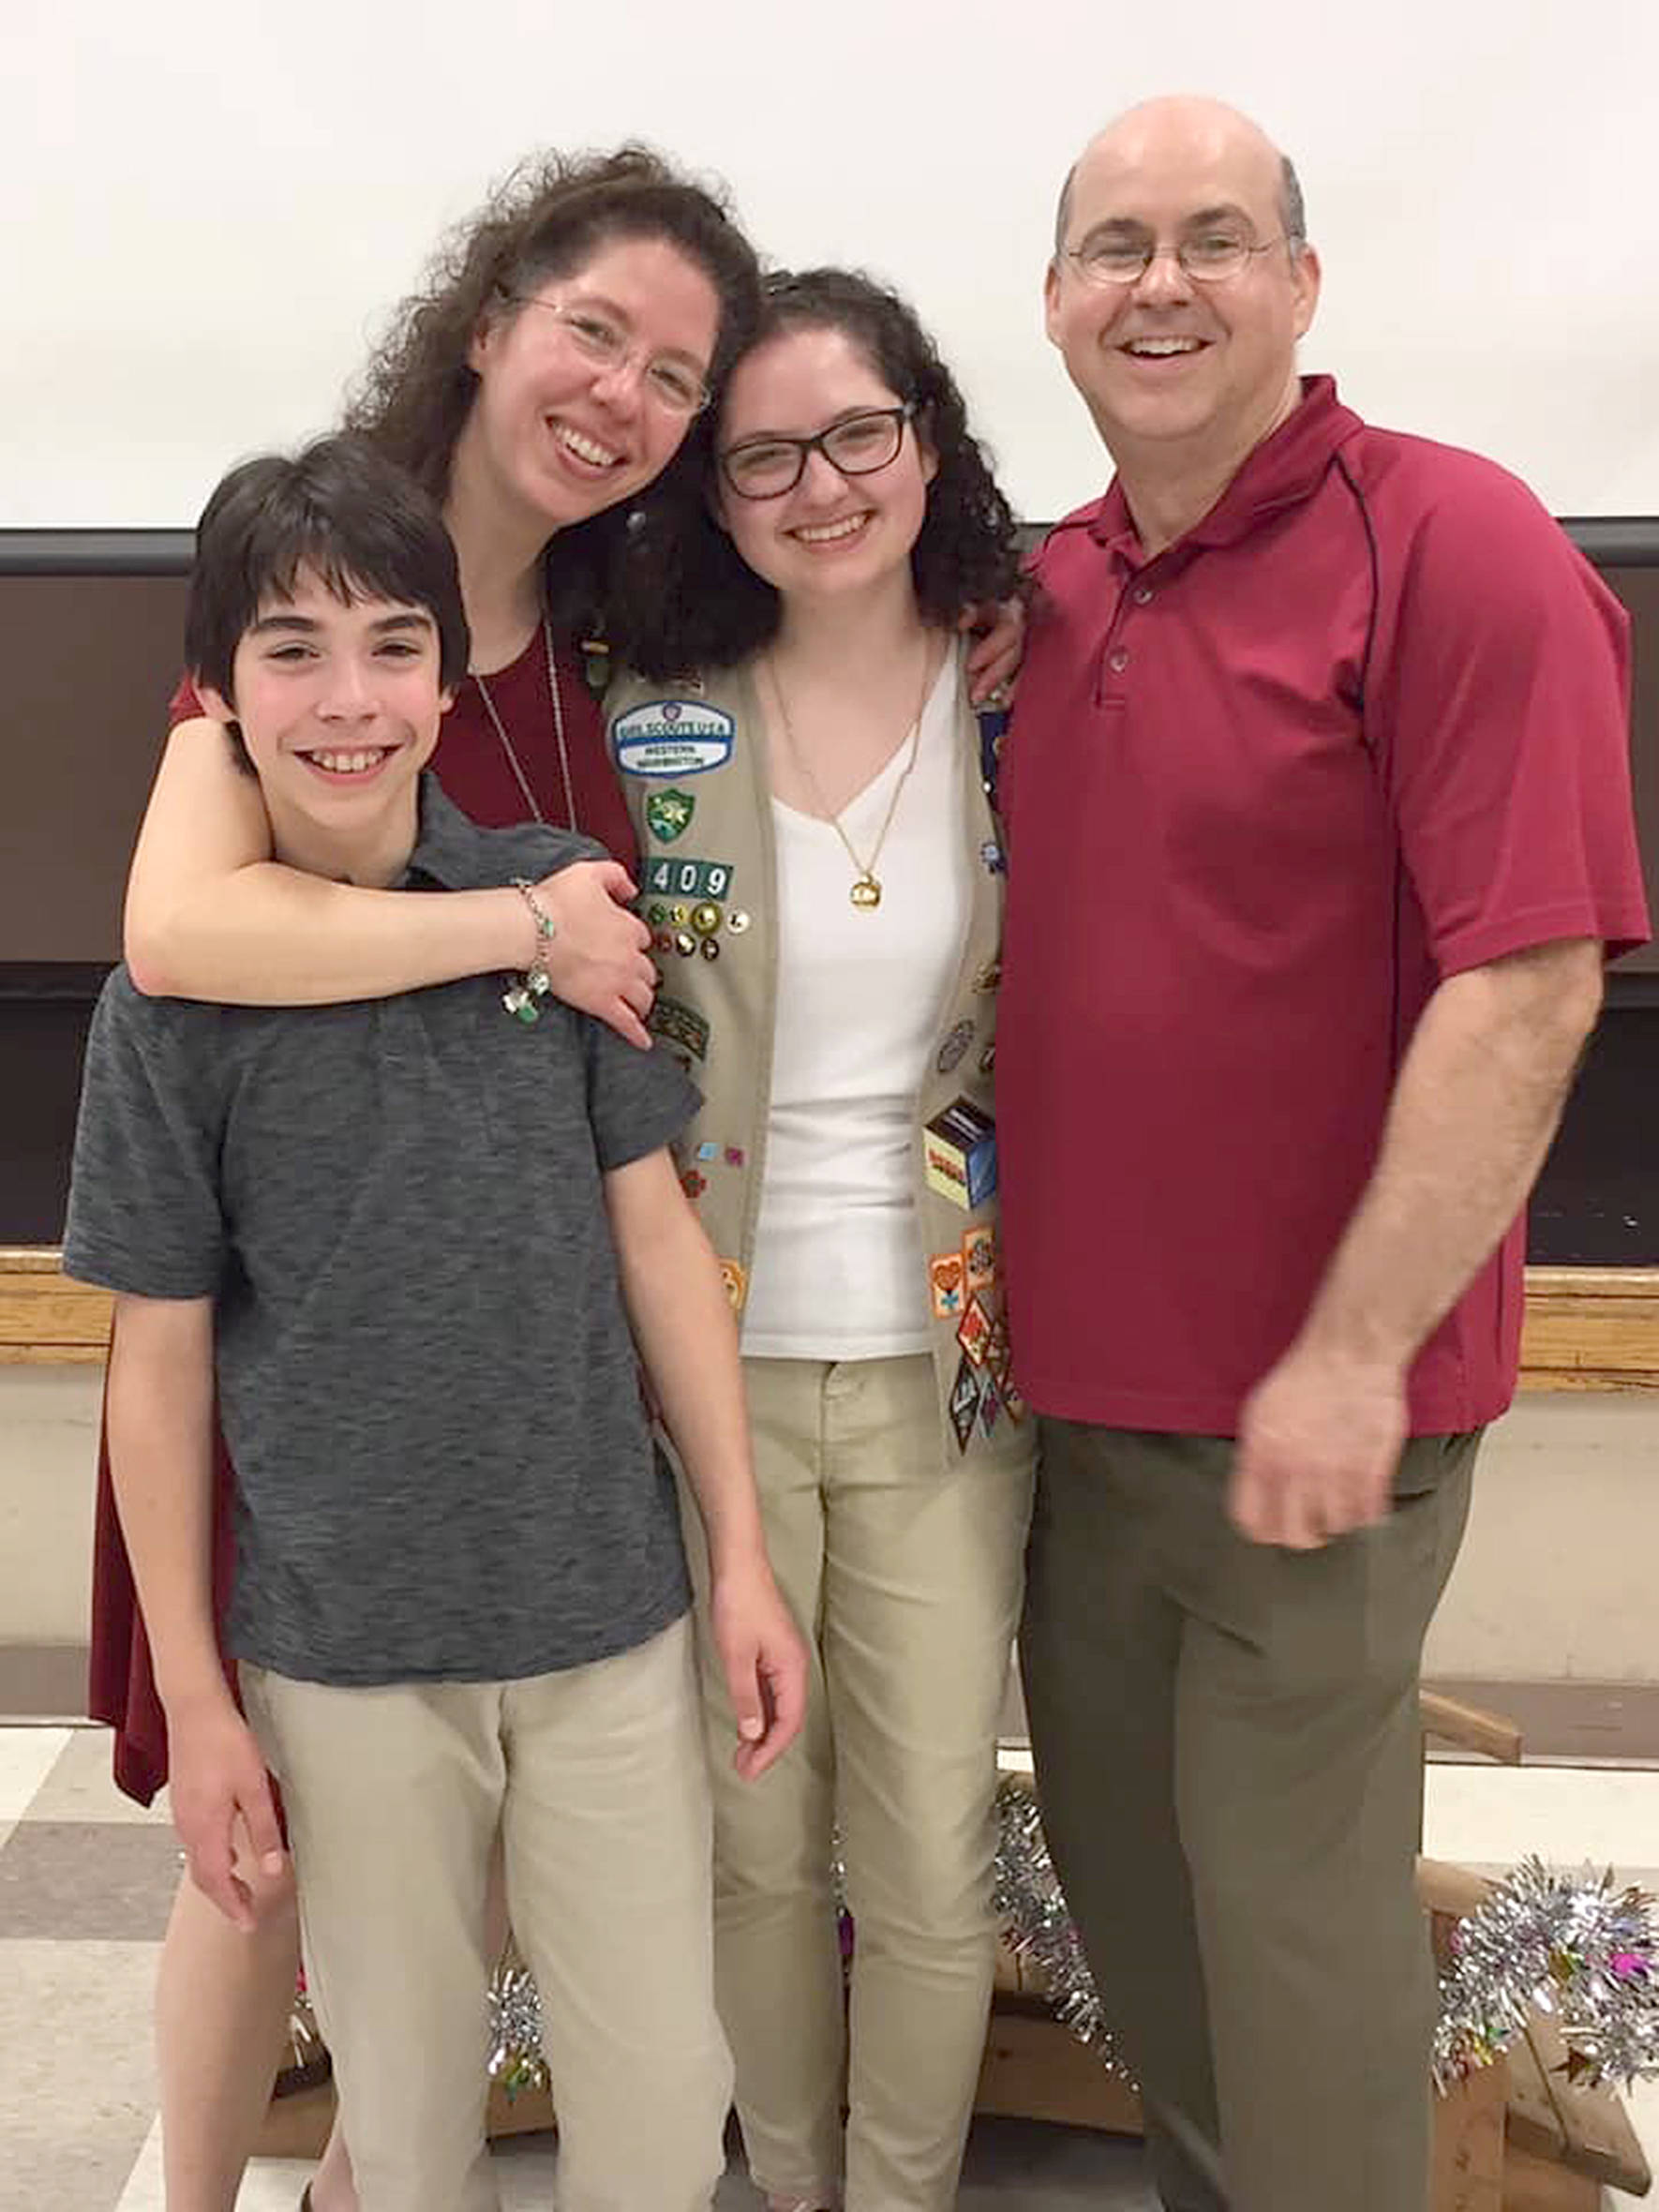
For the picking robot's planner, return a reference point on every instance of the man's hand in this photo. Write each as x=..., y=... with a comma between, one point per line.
x=218, y=1781
x=597, y=960
x=763, y=1661
x=1318, y=1440
x=998, y=632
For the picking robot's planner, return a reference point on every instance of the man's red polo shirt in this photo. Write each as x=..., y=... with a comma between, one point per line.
x=1364, y=726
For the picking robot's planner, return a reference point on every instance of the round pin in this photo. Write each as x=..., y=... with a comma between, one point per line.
x=706, y=919
x=656, y=914
x=684, y=943
x=710, y=948
x=679, y=916
x=736, y=922
x=662, y=941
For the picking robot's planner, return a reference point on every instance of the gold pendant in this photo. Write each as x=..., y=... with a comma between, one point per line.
x=866, y=892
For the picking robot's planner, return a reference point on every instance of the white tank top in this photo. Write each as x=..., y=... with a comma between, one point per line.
x=838, y=1269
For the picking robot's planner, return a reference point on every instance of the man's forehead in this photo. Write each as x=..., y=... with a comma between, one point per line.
x=1174, y=162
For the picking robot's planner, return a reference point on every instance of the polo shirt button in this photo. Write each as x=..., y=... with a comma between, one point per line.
x=1119, y=662
x=1143, y=596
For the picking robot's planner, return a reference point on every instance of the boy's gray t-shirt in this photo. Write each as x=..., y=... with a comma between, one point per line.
x=426, y=1381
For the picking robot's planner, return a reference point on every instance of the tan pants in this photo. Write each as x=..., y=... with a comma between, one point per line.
x=597, y=1782
x=905, y=1576
x=1228, y=1758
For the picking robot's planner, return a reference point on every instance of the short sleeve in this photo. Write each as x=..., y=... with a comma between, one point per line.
x=145, y=1213
x=1499, y=703
x=637, y=1101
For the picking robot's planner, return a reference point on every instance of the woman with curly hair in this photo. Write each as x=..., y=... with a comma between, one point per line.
x=823, y=872
x=553, y=369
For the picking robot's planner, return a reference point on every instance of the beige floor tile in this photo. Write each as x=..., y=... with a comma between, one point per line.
x=27, y=1755
x=89, y=1880
x=79, y=1786
x=77, y=2076
x=1494, y=1815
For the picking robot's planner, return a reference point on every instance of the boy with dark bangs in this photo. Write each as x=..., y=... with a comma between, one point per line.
x=414, y=1241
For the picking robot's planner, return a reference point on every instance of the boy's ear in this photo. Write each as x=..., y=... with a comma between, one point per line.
x=215, y=704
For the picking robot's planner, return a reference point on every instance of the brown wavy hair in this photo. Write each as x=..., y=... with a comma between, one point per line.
x=685, y=598
x=545, y=219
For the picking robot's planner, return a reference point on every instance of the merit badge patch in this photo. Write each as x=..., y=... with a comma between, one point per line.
x=978, y=1258
x=672, y=738
x=944, y=1283
x=990, y=1404
x=668, y=813
x=973, y=1332
x=960, y=1154
x=680, y=1024
x=954, y=1046
x=965, y=1403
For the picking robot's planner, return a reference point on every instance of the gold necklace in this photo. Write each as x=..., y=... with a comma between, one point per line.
x=866, y=886
x=512, y=760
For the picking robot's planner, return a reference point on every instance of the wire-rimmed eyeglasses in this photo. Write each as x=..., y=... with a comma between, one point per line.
x=674, y=383
x=1208, y=257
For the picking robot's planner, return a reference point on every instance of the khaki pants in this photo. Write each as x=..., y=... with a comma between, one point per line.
x=596, y=1780
x=905, y=1576
x=1228, y=1758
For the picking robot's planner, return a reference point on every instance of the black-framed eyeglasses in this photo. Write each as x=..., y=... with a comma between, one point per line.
x=857, y=445
x=1208, y=257
x=674, y=384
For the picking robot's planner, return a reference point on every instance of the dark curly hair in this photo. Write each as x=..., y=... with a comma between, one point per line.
x=550, y=216
x=685, y=599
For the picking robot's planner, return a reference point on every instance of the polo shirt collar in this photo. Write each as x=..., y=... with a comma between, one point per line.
x=446, y=847
x=1280, y=472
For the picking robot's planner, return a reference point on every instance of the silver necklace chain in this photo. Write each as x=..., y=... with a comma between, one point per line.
x=558, y=736
x=866, y=886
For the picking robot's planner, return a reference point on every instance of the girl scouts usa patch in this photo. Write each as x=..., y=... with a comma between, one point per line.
x=672, y=738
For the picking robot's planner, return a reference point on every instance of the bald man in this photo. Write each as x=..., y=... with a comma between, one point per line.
x=1320, y=832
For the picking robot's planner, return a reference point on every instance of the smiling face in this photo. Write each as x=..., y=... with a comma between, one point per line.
x=555, y=435
x=340, y=708
x=1173, y=369
x=833, y=534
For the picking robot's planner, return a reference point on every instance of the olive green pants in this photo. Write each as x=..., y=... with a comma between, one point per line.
x=1227, y=1759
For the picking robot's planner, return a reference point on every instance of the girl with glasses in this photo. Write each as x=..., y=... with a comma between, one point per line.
x=822, y=872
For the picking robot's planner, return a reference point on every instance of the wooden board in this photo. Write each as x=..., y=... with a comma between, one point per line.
x=1468, y=2150
x=1532, y=2185
x=1587, y=1329
x=1034, y=2069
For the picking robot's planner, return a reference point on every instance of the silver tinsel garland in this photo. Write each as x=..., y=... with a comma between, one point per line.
x=1038, y=1928
x=1571, y=1944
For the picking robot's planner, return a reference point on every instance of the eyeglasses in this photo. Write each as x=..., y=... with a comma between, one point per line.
x=1209, y=257
x=673, y=384
x=857, y=445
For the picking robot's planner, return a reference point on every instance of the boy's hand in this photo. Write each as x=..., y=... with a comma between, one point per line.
x=218, y=1778
x=597, y=960
x=998, y=632
x=763, y=1661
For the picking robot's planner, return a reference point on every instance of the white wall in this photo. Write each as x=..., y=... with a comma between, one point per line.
x=1555, y=1582
x=207, y=207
